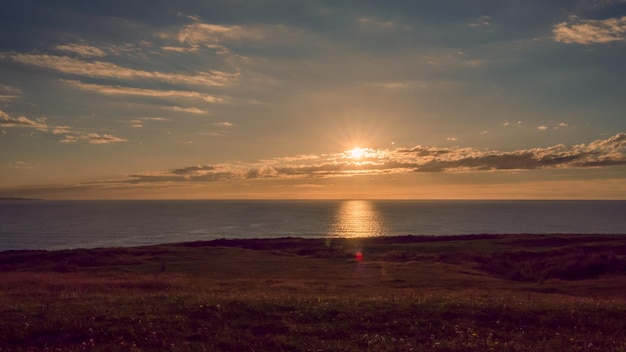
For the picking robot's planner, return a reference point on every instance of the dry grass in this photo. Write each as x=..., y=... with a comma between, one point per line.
x=408, y=293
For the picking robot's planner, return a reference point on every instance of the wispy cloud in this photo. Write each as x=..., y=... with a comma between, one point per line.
x=92, y=138
x=208, y=33
x=84, y=50
x=8, y=93
x=140, y=122
x=21, y=121
x=554, y=127
x=24, y=165
x=61, y=129
x=581, y=31
x=380, y=24
x=120, y=90
x=136, y=123
x=181, y=49
x=102, y=69
x=482, y=21
x=71, y=135
x=154, y=119
x=190, y=110
x=508, y=123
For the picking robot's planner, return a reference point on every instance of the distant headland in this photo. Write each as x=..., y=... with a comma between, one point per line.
x=18, y=198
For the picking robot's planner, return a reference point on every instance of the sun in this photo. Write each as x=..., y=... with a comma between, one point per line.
x=357, y=153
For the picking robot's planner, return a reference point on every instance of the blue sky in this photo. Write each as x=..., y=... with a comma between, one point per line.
x=269, y=99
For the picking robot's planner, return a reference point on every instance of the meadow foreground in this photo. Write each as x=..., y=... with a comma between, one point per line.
x=463, y=293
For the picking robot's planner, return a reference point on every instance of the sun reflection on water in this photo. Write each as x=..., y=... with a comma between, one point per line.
x=357, y=218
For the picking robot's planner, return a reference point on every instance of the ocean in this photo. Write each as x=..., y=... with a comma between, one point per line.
x=54, y=225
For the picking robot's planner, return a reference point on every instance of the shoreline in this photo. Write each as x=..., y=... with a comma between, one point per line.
x=371, y=239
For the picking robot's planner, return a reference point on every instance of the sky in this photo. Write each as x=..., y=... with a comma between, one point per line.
x=425, y=99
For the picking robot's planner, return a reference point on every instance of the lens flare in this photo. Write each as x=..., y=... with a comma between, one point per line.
x=358, y=256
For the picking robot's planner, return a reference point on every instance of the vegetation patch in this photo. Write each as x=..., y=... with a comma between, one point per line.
x=412, y=294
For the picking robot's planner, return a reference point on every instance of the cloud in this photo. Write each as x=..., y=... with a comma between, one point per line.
x=507, y=123
x=482, y=21
x=119, y=90
x=560, y=125
x=600, y=153
x=554, y=127
x=101, y=69
x=136, y=123
x=380, y=25
x=140, y=122
x=95, y=138
x=61, y=129
x=154, y=119
x=92, y=138
x=8, y=93
x=181, y=49
x=214, y=33
x=192, y=169
x=198, y=173
x=191, y=110
x=607, y=152
x=84, y=50
x=21, y=121
x=71, y=135
x=24, y=165
x=392, y=85
x=207, y=33
x=578, y=31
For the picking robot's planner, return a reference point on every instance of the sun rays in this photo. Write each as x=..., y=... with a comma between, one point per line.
x=357, y=153
x=362, y=154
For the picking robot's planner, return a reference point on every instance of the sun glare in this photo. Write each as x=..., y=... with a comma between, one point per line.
x=357, y=153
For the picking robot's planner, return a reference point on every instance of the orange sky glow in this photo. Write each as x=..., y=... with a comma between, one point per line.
x=338, y=100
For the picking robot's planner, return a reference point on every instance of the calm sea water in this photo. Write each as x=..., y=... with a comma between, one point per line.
x=89, y=224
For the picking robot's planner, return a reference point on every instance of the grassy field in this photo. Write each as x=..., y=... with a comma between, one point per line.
x=463, y=293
